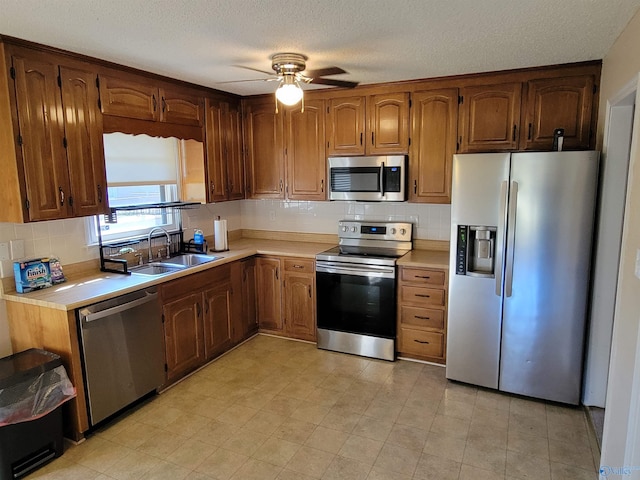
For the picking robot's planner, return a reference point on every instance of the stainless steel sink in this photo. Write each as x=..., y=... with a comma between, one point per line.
x=156, y=269
x=190, y=259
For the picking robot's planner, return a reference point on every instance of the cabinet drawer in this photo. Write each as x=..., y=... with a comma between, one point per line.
x=421, y=295
x=419, y=342
x=421, y=275
x=299, y=265
x=422, y=317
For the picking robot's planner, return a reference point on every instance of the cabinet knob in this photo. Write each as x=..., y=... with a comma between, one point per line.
x=61, y=196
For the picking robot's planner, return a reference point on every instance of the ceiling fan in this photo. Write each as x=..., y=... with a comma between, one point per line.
x=288, y=69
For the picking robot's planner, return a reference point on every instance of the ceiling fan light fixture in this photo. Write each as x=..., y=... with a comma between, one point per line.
x=289, y=92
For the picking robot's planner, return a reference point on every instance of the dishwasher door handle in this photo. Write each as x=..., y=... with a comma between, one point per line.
x=90, y=317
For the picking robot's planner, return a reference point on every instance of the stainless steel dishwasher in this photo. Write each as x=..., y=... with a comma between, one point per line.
x=123, y=351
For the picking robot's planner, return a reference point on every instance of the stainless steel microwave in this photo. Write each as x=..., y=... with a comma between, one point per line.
x=369, y=179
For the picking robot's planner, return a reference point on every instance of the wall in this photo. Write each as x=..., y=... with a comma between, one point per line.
x=67, y=238
x=431, y=222
x=621, y=65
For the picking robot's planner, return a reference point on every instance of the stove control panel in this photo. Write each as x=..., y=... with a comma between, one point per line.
x=398, y=231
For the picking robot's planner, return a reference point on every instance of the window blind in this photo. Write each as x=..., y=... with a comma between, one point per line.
x=140, y=160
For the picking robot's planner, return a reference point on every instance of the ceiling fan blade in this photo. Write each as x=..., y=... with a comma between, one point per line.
x=334, y=83
x=323, y=72
x=254, y=69
x=241, y=81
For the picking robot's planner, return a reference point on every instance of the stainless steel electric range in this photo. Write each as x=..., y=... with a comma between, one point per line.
x=356, y=288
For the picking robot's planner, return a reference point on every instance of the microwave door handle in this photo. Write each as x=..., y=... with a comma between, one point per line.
x=382, y=179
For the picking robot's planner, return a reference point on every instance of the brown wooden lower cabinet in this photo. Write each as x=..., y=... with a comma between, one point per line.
x=203, y=316
x=422, y=313
x=286, y=286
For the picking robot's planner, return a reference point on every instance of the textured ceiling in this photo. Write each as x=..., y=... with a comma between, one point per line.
x=374, y=40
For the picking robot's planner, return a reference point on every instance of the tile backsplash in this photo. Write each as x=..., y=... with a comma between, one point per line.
x=67, y=239
x=432, y=222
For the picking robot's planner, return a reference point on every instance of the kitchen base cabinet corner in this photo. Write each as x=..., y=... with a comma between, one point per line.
x=422, y=314
x=286, y=297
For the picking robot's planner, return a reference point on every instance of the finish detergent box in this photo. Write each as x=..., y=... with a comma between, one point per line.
x=32, y=275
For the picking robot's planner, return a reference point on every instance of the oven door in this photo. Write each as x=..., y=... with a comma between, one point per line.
x=356, y=299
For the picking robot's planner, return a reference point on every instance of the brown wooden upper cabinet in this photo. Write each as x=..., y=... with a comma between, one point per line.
x=285, y=151
x=122, y=96
x=489, y=118
x=375, y=125
x=434, y=116
x=55, y=166
x=305, y=153
x=225, y=168
x=264, y=141
x=553, y=103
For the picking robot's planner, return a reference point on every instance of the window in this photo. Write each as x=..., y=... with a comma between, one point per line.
x=141, y=170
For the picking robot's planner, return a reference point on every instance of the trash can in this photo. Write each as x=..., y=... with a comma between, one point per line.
x=33, y=387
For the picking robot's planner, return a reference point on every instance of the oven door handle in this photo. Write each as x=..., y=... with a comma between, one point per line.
x=360, y=272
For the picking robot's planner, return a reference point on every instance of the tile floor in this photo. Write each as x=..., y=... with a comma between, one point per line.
x=280, y=409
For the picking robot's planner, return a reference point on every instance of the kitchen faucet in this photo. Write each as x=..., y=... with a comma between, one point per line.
x=149, y=241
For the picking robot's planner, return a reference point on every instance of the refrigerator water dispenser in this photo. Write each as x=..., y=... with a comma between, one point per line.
x=475, y=251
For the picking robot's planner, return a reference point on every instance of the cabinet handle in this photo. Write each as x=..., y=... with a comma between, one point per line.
x=421, y=341
x=322, y=185
x=423, y=276
x=281, y=185
x=155, y=102
x=213, y=187
x=277, y=275
x=61, y=196
x=372, y=138
x=231, y=187
x=99, y=193
x=424, y=295
x=164, y=104
x=514, y=133
x=309, y=291
x=198, y=310
x=421, y=317
x=361, y=138
x=206, y=307
x=530, y=125
x=415, y=186
x=298, y=266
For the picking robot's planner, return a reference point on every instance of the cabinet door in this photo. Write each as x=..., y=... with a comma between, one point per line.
x=183, y=334
x=306, y=161
x=346, y=124
x=265, y=150
x=249, y=297
x=388, y=117
x=489, y=118
x=233, y=153
x=180, y=107
x=216, y=171
x=85, y=151
x=269, y=293
x=122, y=97
x=299, y=301
x=217, y=319
x=41, y=124
x=558, y=103
x=433, y=133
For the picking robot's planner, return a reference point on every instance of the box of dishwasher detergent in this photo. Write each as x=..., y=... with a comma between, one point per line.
x=32, y=275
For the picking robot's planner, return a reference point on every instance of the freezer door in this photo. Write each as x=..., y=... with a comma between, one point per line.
x=473, y=335
x=551, y=212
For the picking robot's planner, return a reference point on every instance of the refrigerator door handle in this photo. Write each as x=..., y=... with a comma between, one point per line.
x=502, y=223
x=511, y=238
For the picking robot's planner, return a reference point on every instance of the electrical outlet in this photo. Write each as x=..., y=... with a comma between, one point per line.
x=17, y=249
x=272, y=216
x=4, y=251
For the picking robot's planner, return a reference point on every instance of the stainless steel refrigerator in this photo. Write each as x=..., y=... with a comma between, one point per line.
x=521, y=235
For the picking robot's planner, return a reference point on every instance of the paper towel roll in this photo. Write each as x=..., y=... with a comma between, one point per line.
x=220, y=242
